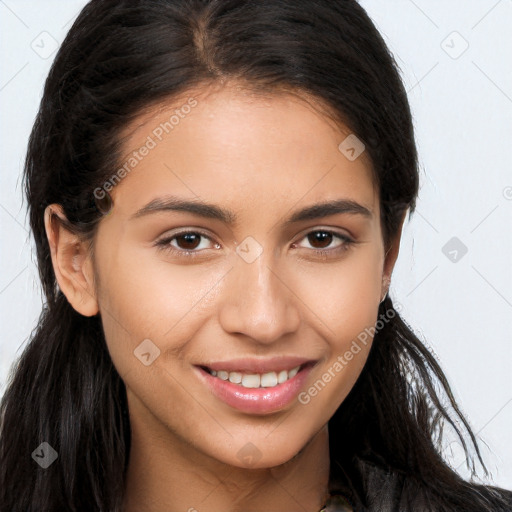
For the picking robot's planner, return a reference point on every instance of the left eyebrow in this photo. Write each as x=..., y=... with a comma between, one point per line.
x=212, y=211
x=320, y=210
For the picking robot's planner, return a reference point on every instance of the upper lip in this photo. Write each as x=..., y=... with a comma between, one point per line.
x=258, y=365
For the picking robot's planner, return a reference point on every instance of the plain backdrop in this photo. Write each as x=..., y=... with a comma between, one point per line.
x=453, y=277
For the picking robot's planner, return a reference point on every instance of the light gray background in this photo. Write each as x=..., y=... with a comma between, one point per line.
x=462, y=105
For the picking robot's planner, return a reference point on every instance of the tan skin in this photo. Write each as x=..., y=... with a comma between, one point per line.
x=263, y=158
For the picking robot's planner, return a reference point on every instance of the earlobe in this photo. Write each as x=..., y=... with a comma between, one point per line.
x=386, y=281
x=71, y=262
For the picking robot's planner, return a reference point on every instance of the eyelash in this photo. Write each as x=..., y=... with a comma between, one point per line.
x=165, y=244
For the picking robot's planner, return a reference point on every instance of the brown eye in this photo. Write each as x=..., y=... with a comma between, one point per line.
x=322, y=243
x=320, y=239
x=188, y=241
x=188, y=244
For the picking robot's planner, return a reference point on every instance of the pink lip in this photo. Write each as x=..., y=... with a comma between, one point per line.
x=256, y=400
x=247, y=365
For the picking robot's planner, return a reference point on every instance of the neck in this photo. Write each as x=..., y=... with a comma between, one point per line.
x=165, y=473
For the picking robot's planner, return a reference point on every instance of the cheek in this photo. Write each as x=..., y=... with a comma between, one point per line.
x=145, y=297
x=344, y=295
x=344, y=299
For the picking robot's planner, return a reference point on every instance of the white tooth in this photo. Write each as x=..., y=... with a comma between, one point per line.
x=268, y=380
x=214, y=373
x=251, y=381
x=293, y=372
x=223, y=375
x=235, y=377
x=282, y=377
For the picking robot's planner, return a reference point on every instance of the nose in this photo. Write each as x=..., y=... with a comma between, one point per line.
x=259, y=301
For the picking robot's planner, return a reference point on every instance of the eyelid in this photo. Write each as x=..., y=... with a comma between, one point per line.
x=329, y=229
x=164, y=242
x=168, y=236
x=347, y=242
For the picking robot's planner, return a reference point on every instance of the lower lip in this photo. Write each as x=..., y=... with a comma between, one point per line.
x=256, y=400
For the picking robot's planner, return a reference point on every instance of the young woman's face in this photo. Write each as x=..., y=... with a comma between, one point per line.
x=234, y=267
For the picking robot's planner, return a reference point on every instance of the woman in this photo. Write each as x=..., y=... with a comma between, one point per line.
x=217, y=191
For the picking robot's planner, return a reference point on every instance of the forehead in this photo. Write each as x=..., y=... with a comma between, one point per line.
x=241, y=146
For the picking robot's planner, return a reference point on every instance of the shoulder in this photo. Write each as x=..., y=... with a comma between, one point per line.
x=387, y=490
x=338, y=503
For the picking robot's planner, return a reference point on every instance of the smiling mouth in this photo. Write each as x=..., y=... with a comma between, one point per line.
x=256, y=380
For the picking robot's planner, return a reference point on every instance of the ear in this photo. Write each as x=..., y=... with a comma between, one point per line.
x=71, y=262
x=390, y=258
